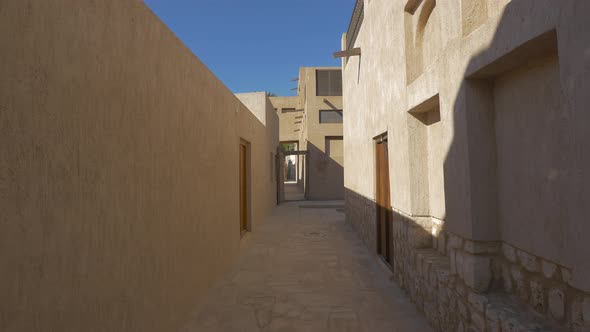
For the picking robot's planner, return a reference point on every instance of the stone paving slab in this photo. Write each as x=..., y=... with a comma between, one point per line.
x=306, y=270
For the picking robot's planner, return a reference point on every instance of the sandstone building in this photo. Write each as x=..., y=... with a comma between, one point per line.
x=131, y=178
x=466, y=164
x=128, y=171
x=312, y=122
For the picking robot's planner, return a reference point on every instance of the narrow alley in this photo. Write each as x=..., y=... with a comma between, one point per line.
x=304, y=269
x=280, y=166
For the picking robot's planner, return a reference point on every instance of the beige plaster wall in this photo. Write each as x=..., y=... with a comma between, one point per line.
x=374, y=98
x=263, y=136
x=540, y=205
x=289, y=126
x=118, y=169
x=530, y=133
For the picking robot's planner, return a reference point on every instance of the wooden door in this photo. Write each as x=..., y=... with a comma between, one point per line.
x=384, y=216
x=243, y=189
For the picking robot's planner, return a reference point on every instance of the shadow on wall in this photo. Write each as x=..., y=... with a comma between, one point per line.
x=326, y=176
x=513, y=175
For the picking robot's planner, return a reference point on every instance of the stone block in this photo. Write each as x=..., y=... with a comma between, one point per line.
x=586, y=309
x=473, y=328
x=419, y=238
x=429, y=272
x=509, y=252
x=418, y=259
x=548, y=269
x=528, y=261
x=443, y=276
x=566, y=275
x=443, y=298
x=478, y=321
x=537, y=296
x=497, y=264
x=459, y=257
x=506, y=278
x=520, y=283
x=477, y=302
x=493, y=326
x=577, y=310
x=463, y=310
x=433, y=279
x=556, y=301
x=461, y=290
x=476, y=271
x=454, y=241
x=492, y=320
x=442, y=243
x=480, y=248
x=510, y=324
x=453, y=261
x=461, y=327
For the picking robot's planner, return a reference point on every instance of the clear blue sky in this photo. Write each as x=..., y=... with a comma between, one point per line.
x=258, y=45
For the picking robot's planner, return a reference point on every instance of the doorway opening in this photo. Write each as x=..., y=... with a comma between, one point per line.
x=293, y=172
x=292, y=169
x=383, y=201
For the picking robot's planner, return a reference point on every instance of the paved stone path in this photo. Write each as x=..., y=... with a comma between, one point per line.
x=304, y=269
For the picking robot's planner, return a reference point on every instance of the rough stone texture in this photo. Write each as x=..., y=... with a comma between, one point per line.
x=478, y=248
x=478, y=321
x=418, y=237
x=455, y=242
x=528, y=261
x=521, y=284
x=586, y=309
x=475, y=308
x=548, y=269
x=537, y=296
x=361, y=214
x=546, y=291
x=476, y=271
x=566, y=275
x=451, y=303
x=509, y=252
x=441, y=243
x=477, y=302
x=556, y=302
x=576, y=308
x=493, y=323
x=306, y=270
x=507, y=278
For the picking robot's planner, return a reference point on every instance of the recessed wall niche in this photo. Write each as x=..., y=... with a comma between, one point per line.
x=426, y=159
x=528, y=141
x=421, y=30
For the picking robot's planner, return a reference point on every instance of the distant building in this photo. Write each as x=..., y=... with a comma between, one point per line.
x=312, y=122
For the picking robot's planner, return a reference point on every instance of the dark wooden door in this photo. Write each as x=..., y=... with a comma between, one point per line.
x=243, y=189
x=384, y=216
